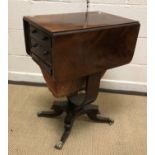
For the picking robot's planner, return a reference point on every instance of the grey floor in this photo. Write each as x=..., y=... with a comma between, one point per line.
x=30, y=135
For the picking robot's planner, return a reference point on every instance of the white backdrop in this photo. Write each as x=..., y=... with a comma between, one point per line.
x=21, y=68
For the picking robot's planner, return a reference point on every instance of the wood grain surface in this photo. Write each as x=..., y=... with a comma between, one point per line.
x=70, y=47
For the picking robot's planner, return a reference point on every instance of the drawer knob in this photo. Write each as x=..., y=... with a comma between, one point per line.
x=34, y=31
x=35, y=45
x=45, y=52
x=45, y=38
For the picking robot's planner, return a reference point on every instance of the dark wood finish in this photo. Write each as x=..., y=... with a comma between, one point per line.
x=56, y=23
x=93, y=51
x=72, y=112
x=113, y=40
x=74, y=51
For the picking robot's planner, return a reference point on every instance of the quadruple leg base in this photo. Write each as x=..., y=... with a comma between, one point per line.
x=72, y=112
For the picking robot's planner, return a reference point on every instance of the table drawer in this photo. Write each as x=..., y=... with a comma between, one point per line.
x=43, y=53
x=41, y=64
x=40, y=36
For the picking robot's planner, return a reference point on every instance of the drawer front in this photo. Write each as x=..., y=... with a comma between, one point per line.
x=41, y=37
x=41, y=64
x=41, y=52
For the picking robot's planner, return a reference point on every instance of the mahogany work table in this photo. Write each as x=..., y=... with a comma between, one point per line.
x=73, y=51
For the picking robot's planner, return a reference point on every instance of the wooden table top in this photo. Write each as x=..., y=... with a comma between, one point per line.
x=77, y=21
